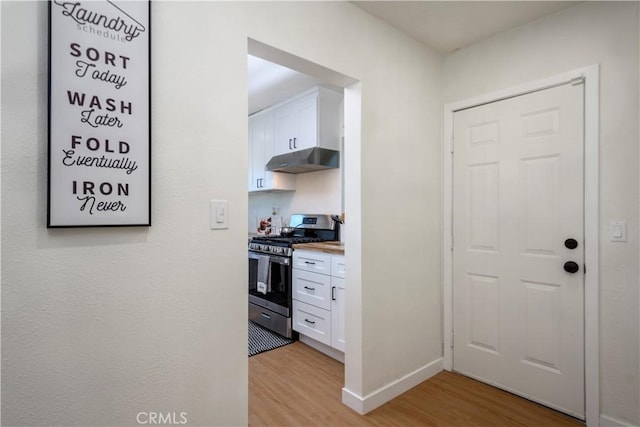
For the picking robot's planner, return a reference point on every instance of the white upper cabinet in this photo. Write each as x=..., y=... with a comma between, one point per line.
x=261, y=140
x=309, y=120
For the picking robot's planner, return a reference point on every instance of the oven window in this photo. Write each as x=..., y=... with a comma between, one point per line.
x=278, y=289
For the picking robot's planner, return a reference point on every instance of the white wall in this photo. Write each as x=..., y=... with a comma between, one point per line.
x=316, y=192
x=98, y=325
x=604, y=33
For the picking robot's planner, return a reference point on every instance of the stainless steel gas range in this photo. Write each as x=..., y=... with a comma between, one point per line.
x=270, y=275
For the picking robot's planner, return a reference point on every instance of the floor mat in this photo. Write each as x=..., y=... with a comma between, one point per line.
x=261, y=339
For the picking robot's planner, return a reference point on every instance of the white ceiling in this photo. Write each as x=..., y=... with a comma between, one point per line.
x=442, y=25
x=450, y=25
x=271, y=83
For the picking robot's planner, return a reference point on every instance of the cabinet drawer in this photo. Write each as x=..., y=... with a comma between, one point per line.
x=337, y=266
x=312, y=321
x=316, y=262
x=312, y=288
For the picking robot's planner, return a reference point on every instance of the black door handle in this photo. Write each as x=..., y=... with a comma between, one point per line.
x=570, y=244
x=571, y=267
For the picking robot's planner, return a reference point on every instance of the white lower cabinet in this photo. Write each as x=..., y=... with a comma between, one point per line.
x=337, y=313
x=319, y=297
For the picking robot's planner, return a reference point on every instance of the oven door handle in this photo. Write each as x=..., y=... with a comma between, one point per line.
x=272, y=258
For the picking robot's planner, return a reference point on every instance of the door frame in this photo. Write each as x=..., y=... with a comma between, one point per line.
x=590, y=75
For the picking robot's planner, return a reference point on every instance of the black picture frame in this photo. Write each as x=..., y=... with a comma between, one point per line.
x=99, y=114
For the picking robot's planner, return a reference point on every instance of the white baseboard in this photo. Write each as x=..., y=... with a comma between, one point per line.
x=322, y=348
x=353, y=401
x=607, y=421
x=384, y=394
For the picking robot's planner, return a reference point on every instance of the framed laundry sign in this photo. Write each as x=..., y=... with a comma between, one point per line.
x=99, y=114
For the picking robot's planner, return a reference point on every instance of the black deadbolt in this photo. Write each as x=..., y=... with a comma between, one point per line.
x=571, y=267
x=571, y=243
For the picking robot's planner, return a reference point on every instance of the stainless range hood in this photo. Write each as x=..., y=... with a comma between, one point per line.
x=309, y=160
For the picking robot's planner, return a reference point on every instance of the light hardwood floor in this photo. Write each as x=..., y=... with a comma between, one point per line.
x=298, y=386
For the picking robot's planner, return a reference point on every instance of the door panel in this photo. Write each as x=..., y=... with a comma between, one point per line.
x=484, y=322
x=483, y=186
x=517, y=195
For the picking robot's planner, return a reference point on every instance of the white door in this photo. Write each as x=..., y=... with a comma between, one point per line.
x=517, y=199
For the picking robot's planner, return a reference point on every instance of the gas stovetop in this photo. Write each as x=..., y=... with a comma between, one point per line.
x=287, y=241
x=281, y=245
x=308, y=229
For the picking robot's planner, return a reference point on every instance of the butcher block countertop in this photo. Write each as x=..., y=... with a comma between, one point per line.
x=336, y=248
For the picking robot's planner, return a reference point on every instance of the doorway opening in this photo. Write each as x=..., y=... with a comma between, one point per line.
x=278, y=76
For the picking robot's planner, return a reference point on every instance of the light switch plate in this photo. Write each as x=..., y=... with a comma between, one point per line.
x=219, y=214
x=617, y=231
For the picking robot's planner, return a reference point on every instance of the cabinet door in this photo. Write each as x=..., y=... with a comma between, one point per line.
x=337, y=313
x=267, y=149
x=256, y=152
x=285, y=128
x=261, y=149
x=337, y=266
x=296, y=124
x=306, y=118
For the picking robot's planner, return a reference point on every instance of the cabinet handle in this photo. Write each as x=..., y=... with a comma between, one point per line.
x=311, y=289
x=294, y=143
x=265, y=315
x=310, y=263
x=333, y=293
x=310, y=321
x=289, y=143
